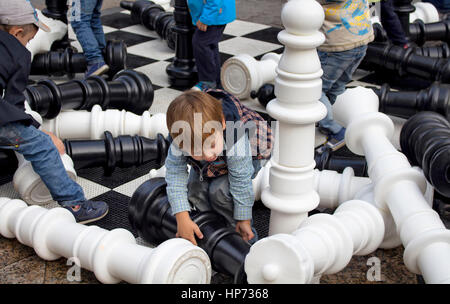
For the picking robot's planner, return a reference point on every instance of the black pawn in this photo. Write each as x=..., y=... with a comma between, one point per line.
x=150, y=214
x=57, y=9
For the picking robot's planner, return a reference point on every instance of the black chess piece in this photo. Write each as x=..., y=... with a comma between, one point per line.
x=326, y=159
x=407, y=103
x=8, y=162
x=150, y=215
x=421, y=32
x=57, y=9
x=153, y=17
x=129, y=90
x=122, y=151
x=403, y=8
x=405, y=62
x=68, y=62
x=264, y=94
x=182, y=71
x=425, y=140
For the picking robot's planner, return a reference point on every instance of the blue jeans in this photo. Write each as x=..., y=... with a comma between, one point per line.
x=338, y=68
x=38, y=148
x=89, y=30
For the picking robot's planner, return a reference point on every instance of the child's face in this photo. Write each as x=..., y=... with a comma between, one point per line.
x=23, y=37
x=212, y=148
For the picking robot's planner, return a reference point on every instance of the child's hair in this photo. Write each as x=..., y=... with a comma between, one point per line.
x=183, y=108
x=27, y=28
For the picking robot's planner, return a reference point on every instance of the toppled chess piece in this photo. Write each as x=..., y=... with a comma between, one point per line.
x=154, y=17
x=68, y=62
x=407, y=103
x=129, y=90
x=326, y=159
x=421, y=32
x=150, y=214
x=425, y=140
x=8, y=162
x=122, y=151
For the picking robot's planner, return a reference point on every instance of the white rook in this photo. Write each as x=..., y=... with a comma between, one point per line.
x=92, y=125
x=397, y=186
x=112, y=255
x=298, y=87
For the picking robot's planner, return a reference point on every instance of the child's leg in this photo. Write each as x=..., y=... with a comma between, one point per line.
x=85, y=35
x=39, y=149
x=96, y=25
x=206, y=52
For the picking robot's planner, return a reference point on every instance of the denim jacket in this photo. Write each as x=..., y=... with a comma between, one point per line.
x=212, y=12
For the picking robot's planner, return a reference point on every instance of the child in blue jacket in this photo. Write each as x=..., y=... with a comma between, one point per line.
x=210, y=17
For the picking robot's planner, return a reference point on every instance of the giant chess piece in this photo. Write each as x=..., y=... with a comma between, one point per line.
x=425, y=12
x=8, y=162
x=405, y=104
x=68, y=62
x=420, y=32
x=397, y=186
x=405, y=62
x=264, y=94
x=113, y=255
x=182, y=71
x=242, y=74
x=122, y=151
x=153, y=17
x=326, y=159
x=425, y=140
x=150, y=214
x=91, y=125
x=57, y=9
x=403, y=8
x=129, y=90
x=42, y=41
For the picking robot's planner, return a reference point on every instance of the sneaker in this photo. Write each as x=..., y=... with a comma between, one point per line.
x=88, y=211
x=204, y=85
x=97, y=69
x=336, y=141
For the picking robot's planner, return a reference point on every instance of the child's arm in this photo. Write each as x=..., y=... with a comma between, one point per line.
x=240, y=171
x=177, y=180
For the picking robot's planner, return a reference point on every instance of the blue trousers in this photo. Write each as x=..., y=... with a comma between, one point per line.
x=338, y=68
x=88, y=27
x=206, y=53
x=38, y=148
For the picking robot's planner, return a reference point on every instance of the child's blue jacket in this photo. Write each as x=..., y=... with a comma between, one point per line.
x=212, y=12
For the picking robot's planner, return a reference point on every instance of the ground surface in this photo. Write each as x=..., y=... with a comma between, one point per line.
x=149, y=54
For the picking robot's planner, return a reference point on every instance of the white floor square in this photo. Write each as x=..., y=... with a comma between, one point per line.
x=155, y=49
x=129, y=188
x=156, y=72
x=240, y=28
x=163, y=97
x=140, y=30
x=242, y=45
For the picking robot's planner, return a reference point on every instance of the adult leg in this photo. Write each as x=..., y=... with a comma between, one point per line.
x=96, y=25
x=391, y=23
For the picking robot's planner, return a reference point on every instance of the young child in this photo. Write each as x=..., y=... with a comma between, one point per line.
x=348, y=30
x=18, y=131
x=210, y=17
x=209, y=132
x=84, y=16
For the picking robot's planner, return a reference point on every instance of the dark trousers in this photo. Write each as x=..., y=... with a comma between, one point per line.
x=391, y=23
x=206, y=53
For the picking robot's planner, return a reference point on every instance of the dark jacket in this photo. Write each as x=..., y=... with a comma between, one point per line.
x=15, y=63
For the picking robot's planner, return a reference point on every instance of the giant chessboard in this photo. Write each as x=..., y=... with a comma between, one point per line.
x=149, y=54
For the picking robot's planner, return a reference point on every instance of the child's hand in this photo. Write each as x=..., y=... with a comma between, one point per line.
x=245, y=229
x=57, y=142
x=201, y=26
x=186, y=227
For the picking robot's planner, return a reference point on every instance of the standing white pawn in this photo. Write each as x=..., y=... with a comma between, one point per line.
x=297, y=108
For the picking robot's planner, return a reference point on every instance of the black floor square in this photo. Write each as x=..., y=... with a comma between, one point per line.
x=117, y=216
x=119, y=177
x=118, y=21
x=135, y=61
x=267, y=35
x=130, y=39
